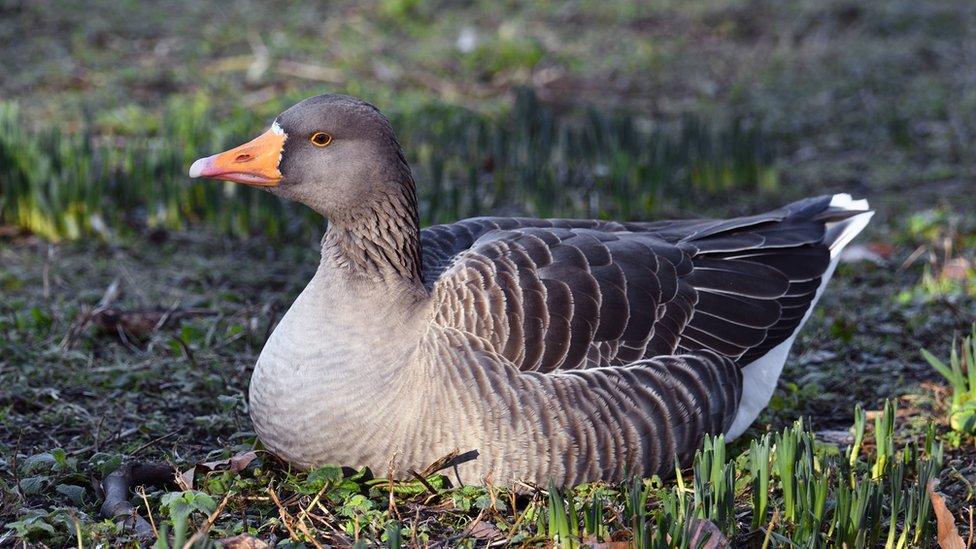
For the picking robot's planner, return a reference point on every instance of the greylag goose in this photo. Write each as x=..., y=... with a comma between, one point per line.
x=563, y=349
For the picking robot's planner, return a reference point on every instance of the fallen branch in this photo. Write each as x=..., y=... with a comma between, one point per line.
x=119, y=483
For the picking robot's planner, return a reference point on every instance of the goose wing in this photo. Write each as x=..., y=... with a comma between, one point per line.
x=569, y=294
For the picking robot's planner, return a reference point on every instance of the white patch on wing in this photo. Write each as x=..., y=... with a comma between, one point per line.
x=759, y=377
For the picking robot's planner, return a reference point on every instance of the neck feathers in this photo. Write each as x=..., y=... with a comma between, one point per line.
x=381, y=239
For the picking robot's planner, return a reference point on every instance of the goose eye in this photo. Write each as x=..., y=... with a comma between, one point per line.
x=320, y=139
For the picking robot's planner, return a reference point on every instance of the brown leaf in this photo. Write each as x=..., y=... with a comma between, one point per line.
x=185, y=479
x=949, y=537
x=137, y=322
x=957, y=268
x=883, y=249
x=483, y=530
x=236, y=463
x=703, y=529
x=240, y=462
x=242, y=541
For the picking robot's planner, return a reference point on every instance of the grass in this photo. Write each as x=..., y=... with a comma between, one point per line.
x=73, y=408
x=691, y=108
x=528, y=162
x=962, y=378
x=820, y=494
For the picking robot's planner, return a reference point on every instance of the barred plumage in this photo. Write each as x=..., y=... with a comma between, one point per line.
x=572, y=350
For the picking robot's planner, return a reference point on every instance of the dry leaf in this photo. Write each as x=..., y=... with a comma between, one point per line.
x=483, y=530
x=236, y=463
x=242, y=541
x=135, y=323
x=706, y=528
x=185, y=479
x=949, y=537
x=957, y=268
x=883, y=249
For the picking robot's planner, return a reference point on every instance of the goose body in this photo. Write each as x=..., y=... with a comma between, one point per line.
x=572, y=350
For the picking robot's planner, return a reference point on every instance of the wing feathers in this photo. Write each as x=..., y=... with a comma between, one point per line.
x=570, y=294
x=743, y=278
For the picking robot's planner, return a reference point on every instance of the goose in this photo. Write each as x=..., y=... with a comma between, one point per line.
x=558, y=350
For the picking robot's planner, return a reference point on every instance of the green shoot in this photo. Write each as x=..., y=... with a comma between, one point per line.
x=961, y=374
x=759, y=453
x=884, y=432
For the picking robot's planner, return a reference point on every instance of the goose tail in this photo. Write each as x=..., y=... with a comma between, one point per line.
x=844, y=219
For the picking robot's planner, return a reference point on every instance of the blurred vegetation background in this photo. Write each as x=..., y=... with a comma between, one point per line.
x=584, y=108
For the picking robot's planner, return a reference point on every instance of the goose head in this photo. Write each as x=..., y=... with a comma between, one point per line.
x=333, y=153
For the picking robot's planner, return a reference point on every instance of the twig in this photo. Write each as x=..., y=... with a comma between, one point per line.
x=81, y=545
x=452, y=459
x=314, y=502
x=164, y=318
x=341, y=535
x=518, y=518
x=186, y=351
x=304, y=529
x=912, y=257
x=285, y=516
x=152, y=521
x=769, y=529
x=116, y=436
x=390, y=473
x=969, y=540
x=153, y=441
x=207, y=524
x=14, y=466
x=423, y=481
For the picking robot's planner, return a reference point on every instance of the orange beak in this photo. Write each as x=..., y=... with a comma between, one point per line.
x=253, y=163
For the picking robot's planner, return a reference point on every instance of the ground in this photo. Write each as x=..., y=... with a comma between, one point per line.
x=748, y=104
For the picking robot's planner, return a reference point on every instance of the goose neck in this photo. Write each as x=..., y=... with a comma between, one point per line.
x=379, y=241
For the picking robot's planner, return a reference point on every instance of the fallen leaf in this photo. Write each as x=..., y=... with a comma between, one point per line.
x=185, y=479
x=949, y=537
x=236, y=463
x=957, y=268
x=483, y=530
x=135, y=323
x=706, y=529
x=242, y=541
x=240, y=462
x=883, y=249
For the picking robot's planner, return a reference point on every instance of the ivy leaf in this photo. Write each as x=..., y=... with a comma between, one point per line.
x=318, y=478
x=181, y=504
x=34, y=485
x=76, y=494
